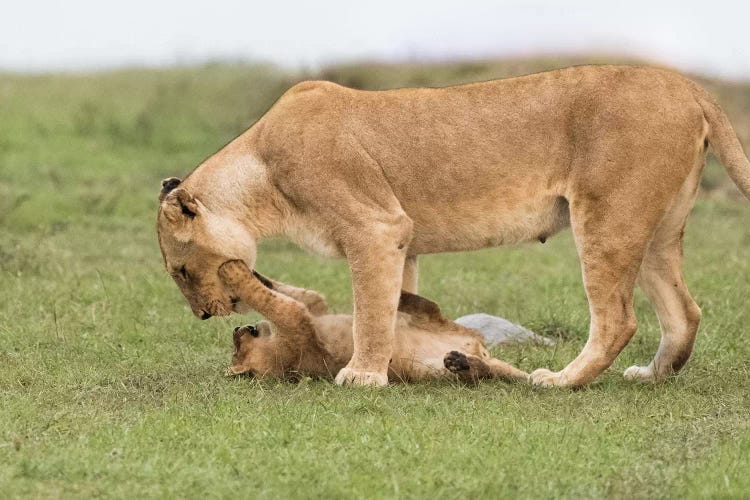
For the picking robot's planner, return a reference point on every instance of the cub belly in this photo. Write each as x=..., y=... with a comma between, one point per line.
x=419, y=354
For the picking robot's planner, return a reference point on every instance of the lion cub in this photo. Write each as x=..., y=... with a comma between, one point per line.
x=299, y=338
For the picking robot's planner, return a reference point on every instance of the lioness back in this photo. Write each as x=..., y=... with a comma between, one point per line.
x=475, y=165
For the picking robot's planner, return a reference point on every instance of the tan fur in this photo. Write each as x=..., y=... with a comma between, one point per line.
x=301, y=339
x=381, y=177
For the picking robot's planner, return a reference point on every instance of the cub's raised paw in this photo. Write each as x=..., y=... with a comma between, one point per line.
x=456, y=362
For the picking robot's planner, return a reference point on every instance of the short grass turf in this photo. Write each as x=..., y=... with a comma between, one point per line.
x=109, y=387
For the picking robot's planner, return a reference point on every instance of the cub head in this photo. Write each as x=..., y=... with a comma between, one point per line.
x=195, y=240
x=253, y=350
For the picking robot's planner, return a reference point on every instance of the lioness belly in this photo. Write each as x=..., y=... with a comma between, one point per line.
x=481, y=224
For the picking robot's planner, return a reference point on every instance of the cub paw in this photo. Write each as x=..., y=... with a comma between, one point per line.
x=353, y=376
x=456, y=362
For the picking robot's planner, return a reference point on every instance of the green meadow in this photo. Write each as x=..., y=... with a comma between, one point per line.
x=109, y=386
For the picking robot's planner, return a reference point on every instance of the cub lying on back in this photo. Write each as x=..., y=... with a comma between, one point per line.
x=300, y=338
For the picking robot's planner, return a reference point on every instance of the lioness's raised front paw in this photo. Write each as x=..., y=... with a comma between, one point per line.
x=353, y=376
x=547, y=378
x=644, y=374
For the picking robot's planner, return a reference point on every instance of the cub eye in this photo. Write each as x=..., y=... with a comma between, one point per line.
x=183, y=273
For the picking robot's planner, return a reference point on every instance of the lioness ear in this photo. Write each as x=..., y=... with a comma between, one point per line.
x=180, y=206
x=167, y=185
x=187, y=203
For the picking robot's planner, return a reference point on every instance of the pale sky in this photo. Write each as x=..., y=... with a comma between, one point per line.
x=711, y=37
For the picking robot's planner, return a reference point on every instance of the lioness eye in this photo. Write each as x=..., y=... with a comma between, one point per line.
x=183, y=272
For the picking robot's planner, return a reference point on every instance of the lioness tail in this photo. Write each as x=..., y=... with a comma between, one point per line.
x=723, y=139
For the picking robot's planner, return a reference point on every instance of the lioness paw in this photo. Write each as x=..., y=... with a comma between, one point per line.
x=644, y=374
x=352, y=376
x=547, y=378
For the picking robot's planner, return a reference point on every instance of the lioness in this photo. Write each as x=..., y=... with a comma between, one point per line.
x=299, y=338
x=616, y=152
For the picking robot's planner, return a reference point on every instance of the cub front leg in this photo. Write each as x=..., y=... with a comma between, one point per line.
x=313, y=300
x=376, y=259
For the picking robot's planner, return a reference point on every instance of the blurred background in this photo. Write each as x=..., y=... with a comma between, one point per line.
x=694, y=36
x=110, y=387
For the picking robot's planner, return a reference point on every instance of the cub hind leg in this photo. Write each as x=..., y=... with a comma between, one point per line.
x=470, y=368
x=410, y=281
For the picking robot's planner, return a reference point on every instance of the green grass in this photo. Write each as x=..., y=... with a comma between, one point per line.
x=110, y=387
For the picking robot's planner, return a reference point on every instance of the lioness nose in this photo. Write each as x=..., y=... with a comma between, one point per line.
x=205, y=315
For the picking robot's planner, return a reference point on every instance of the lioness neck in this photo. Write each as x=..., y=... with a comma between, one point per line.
x=235, y=183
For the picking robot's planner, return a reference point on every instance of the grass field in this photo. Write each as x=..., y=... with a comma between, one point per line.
x=109, y=387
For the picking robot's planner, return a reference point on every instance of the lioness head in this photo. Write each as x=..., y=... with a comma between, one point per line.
x=253, y=350
x=195, y=240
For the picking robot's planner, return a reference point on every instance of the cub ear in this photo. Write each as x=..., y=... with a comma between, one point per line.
x=167, y=185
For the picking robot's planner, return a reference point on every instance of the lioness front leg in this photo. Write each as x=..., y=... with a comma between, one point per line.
x=376, y=259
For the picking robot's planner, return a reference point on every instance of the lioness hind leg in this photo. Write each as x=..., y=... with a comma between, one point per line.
x=661, y=280
x=612, y=233
x=679, y=315
x=609, y=269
